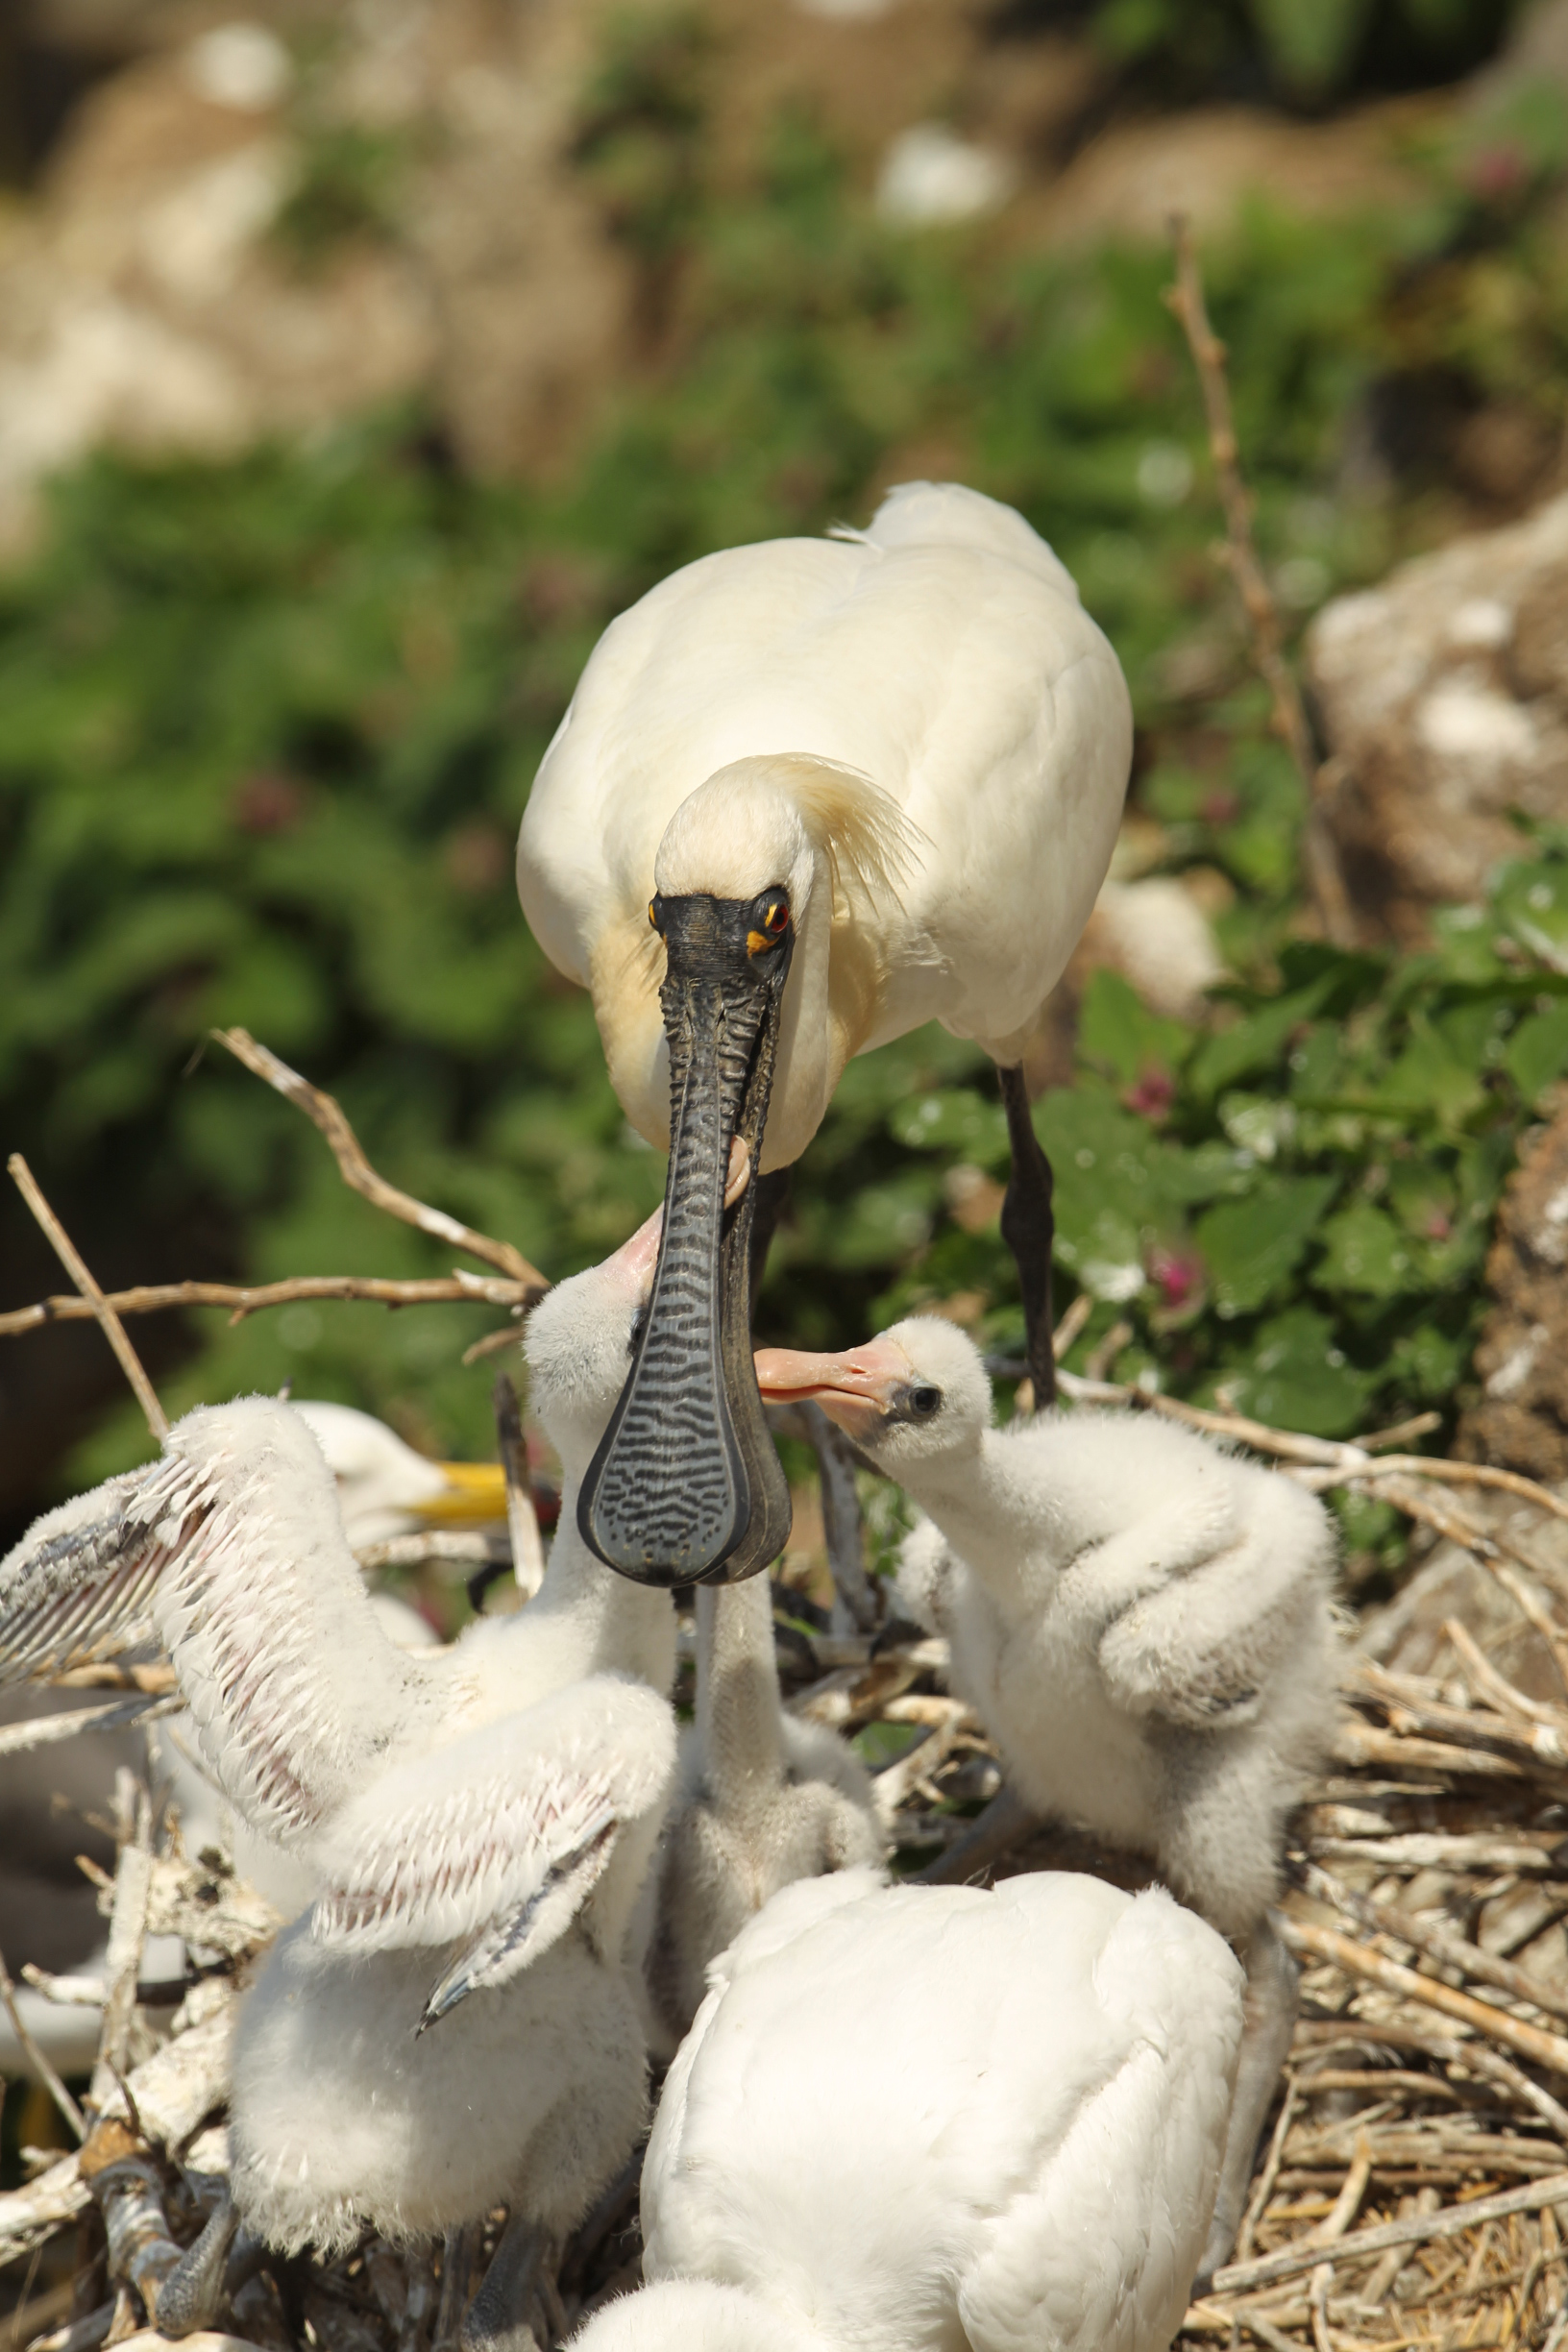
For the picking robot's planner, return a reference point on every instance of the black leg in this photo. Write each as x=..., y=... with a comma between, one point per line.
x=1028, y=1229
x=772, y=1199
x=496, y=2320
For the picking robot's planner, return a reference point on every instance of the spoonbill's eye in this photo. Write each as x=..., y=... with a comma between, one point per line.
x=769, y=922
x=656, y=908
x=924, y=1402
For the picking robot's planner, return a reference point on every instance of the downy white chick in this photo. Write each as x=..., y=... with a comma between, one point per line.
x=761, y=1799
x=451, y=2024
x=1144, y=1623
x=916, y=2118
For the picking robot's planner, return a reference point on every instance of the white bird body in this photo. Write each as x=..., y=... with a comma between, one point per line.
x=761, y=1799
x=921, y=2119
x=942, y=657
x=476, y=1821
x=1144, y=1623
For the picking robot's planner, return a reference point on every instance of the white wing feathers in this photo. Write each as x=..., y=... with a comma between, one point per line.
x=81, y=1582
x=229, y=1551
x=498, y=1837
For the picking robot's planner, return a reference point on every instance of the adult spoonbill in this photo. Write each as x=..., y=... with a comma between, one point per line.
x=808, y=795
x=913, y=2119
x=761, y=1799
x=1145, y=1624
x=451, y=2023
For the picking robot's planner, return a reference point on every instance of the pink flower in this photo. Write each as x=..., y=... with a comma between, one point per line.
x=1177, y=1275
x=1153, y=1095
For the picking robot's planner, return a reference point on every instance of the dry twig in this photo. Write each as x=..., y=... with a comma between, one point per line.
x=108, y=1322
x=38, y=2058
x=244, y=1299
x=1320, y=858
x=326, y=1114
x=522, y=1519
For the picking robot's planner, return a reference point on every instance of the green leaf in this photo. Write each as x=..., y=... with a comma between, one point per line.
x=1365, y=1252
x=1537, y=1052
x=1296, y=1377
x=1117, y=1031
x=1250, y=1246
x=1257, y=1042
x=1311, y=46
x=955, y=1120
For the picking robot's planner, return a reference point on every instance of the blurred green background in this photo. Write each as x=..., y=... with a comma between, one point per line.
x=267, y=727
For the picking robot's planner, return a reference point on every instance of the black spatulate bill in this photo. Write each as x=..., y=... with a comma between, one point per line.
x=686, y=1485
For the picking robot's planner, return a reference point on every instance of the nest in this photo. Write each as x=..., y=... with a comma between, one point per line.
x=1406, y=2192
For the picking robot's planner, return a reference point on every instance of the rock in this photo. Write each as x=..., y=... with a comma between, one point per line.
x=1208, y=161
x=930, y=176
x=1445, y=693
x=1158, y=937
x=1521, y=1421
x=146, y=305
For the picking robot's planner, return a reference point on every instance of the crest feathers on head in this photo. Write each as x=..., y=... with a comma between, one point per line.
x=872, y=845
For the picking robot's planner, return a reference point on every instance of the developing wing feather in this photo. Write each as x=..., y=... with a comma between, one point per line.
x=500, y=1837
x=231, y=1552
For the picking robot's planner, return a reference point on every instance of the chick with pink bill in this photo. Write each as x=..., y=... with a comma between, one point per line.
x=1143, y=1622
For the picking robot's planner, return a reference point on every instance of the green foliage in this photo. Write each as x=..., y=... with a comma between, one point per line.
x=1302, y=53
x=266, y=730
x=1291, y=1211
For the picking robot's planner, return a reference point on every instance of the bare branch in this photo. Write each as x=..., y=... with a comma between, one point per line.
x=248, y=1299
x=114, y=1330
x=326, y=1114
x=43, y=1730
x=522, y=1519
x=1235, y=2278
x=37, y=2058
x=1324, y=879
x=1532, y=2042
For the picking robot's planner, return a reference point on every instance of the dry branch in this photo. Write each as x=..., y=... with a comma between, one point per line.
x=244, y=1299
x=1532, y=2042
x=108, y=1322
x=1437, y=1942
x=45, y=1730
x=1320, y=858
x=1420, y=2229
x=522, y=1519
x=326, y=1114
x=37, y=2058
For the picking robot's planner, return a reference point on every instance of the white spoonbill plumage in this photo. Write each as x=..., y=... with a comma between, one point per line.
x=761, y=1799
x=451, y=2023
x=854, y=784
x=921, y=2119
x=1145, y=1624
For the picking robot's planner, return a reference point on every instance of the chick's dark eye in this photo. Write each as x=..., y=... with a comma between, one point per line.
x=924, y=1402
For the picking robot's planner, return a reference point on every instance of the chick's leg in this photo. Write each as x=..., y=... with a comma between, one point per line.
x=1273, y=1985
x=498, y=2319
